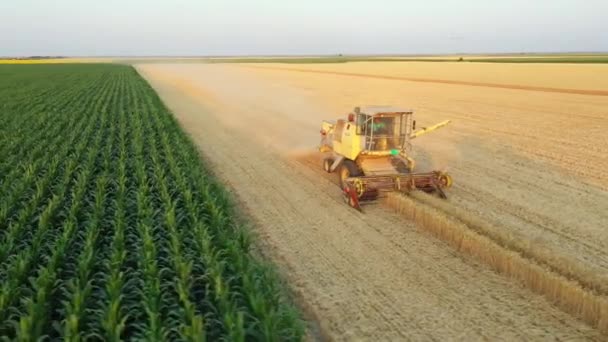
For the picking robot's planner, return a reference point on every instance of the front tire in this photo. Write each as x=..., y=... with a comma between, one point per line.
x=445, y=180
x=347, y=170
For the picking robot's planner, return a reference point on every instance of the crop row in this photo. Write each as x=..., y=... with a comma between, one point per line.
x=110, y=226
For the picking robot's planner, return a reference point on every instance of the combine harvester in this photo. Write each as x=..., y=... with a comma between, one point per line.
x=370, y=150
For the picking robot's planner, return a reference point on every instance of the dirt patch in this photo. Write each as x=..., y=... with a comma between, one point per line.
x=365, y=276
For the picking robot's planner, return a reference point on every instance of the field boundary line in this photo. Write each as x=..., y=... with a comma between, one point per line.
x=440, y=81
x=566, y=294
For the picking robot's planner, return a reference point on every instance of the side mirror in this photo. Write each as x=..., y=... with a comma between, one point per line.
x=414, y=125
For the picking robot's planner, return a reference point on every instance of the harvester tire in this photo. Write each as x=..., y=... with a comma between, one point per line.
x=327, y=162
x=348, y=169
x=445, y=180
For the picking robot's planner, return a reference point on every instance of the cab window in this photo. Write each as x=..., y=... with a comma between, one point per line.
x=338, y=130
x=361, y=123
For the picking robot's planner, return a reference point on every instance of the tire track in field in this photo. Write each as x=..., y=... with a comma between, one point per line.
x=440, y=81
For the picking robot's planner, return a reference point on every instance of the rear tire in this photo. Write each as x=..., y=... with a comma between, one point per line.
x=348, y=169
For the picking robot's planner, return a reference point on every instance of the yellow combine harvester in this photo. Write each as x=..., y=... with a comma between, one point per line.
x=370, y=151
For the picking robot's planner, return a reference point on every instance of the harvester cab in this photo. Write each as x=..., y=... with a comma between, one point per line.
x=370, y=150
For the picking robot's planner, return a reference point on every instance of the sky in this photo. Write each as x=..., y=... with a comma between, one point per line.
x=308, y=27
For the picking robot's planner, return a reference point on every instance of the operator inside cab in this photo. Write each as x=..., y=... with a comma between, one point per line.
x=381, y=125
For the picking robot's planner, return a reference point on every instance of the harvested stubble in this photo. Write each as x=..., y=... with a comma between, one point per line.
x=567, y=294
x=586, y=276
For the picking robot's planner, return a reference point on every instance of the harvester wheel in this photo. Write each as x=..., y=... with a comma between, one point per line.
x=327, y=162
x=445, y=180
x=348, y=169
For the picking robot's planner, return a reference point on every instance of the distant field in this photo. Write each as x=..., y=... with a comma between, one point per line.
x=348, y=59
x=55, y=60
x=575, y=78
x=476, y=59
x=531, y=58
x=544, y=59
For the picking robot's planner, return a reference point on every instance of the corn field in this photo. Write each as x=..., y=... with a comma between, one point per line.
x=110, y=226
